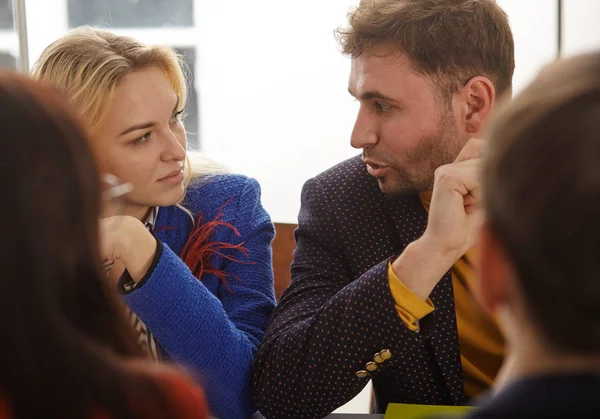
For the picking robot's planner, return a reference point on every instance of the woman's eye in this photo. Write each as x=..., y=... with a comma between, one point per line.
x=143, y=139
x=176, y=117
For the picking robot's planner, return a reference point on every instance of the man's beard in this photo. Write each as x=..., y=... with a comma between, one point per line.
x=415, y=173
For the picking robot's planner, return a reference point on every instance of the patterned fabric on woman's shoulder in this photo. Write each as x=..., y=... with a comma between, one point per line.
x=201, y=246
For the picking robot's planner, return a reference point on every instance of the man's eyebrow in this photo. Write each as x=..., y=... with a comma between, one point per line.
x=372, y=94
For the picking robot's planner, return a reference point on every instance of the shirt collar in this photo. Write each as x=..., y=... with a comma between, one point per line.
x=151, y=220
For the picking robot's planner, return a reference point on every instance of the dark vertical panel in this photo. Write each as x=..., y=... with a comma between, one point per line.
x=559, y=32
x=8, y=61
x=6, y=14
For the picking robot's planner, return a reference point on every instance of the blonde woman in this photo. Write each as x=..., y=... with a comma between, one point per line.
x=192, y=257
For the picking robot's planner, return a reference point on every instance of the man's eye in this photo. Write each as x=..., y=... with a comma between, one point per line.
x=382, y=107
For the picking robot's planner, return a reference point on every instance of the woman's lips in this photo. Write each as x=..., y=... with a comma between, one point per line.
x=175, y=177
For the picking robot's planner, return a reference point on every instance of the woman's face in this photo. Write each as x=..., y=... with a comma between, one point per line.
x=142, y=141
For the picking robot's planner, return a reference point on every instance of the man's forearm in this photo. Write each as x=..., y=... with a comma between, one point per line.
x=422, y=265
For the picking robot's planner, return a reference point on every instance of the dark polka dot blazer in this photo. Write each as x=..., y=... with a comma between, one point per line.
x=336, y=326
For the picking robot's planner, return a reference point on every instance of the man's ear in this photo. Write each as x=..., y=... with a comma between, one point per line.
x=477, y=97
x=494, y=271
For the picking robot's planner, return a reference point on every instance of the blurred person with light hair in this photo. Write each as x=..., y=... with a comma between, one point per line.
x=192, y=255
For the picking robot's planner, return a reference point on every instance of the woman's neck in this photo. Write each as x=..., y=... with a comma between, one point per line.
x=139, y=212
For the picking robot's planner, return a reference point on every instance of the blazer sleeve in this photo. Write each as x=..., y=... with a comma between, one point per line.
x=217, y=337
x=328, y=325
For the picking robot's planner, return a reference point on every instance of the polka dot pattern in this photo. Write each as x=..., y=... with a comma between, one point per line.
x=338, y=312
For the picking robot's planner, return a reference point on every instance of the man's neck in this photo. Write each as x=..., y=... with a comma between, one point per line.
x=530, y=357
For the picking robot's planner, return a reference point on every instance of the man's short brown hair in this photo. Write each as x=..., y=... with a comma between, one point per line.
x=541, y=188
x=448, y=40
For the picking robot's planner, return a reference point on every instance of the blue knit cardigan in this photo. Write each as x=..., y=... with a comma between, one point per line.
x=212, y=328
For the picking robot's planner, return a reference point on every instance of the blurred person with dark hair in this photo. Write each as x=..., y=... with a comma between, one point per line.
x=539, y=244
x=67, y=348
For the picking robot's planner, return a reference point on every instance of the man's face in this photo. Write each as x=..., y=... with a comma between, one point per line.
x=403, y=128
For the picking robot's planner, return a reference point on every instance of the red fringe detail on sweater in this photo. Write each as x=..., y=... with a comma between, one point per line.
x=199, y=248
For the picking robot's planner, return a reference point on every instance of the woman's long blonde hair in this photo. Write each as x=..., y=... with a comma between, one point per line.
x=88, y=63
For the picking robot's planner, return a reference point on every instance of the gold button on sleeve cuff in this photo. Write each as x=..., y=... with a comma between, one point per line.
x=371, y=366
x=362, y=374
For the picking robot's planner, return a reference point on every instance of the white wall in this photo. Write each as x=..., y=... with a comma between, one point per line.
x=273, y=93
x=535, y=30
x=581, y=23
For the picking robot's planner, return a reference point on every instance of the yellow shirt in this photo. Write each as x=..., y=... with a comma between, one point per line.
x=480, y=340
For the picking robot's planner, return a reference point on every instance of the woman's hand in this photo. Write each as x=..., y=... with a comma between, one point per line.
x=127, y=240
